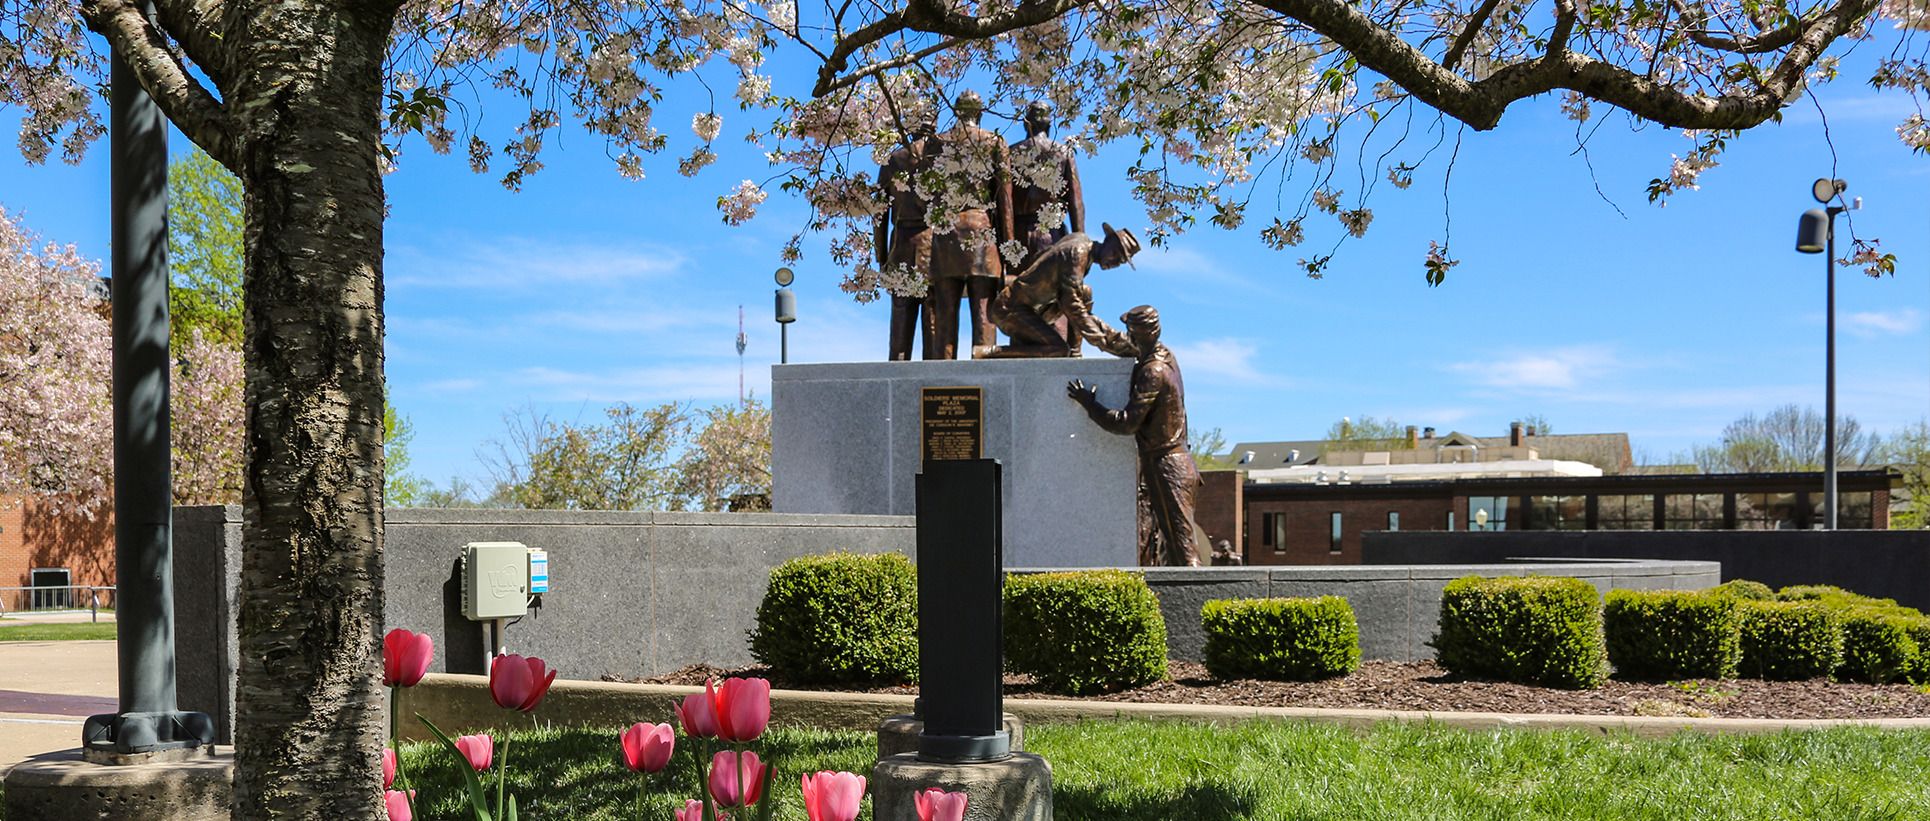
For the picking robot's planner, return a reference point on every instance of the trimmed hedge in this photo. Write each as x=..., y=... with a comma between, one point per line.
x=840, y=618
x=1789, y=640
x=1284, y=639
x=1665, y=635
x=1535, y=630
x=1880, y=646
x=1084, y=631
x=1745, y=589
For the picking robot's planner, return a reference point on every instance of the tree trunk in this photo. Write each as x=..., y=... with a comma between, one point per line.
x=306, y=100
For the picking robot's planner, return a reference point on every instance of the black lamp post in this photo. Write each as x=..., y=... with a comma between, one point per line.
x=1816, y=234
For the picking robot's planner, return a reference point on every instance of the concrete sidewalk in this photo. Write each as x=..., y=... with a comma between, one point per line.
x=46, y=689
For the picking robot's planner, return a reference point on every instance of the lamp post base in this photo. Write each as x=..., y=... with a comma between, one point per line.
x=66, y=787
x=124, y=735
x=1018, y=788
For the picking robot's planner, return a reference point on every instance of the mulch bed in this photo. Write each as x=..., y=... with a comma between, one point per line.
x=1387, y=685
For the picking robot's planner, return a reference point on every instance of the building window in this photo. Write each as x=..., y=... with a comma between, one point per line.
x=1630, y=512
x=1450, y=521
x=1692, y=511
x=1766, y=511
x=1333, y=534
x=1495, y=508
x=1853, y=509
x=1557, y=513
x=1393, y=520
x=1273, y=531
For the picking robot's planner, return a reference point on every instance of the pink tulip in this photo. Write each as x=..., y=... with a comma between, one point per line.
x=479, y=749
x=518, y=683
x=743, y=708
x=405, y=657
x=830, y=796
x=388, y=769
x=398, y=804
x=647, y=747
x=698, y=714
x=938, y=805
x=693, y=811
x=724, y=779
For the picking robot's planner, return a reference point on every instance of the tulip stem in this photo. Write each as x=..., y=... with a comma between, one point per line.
x=395, y=743
x=703, y=782
x=502, y=775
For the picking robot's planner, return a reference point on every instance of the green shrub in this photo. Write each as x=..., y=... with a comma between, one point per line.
x=1879, y=646
x=1664, y=635
x=840, y=618
x=1839, y=599
x=1535, y=630
x=1744, y=589
x=1789, y=640
x=1084, y=631
x=1287, y=639
x=1811, y=592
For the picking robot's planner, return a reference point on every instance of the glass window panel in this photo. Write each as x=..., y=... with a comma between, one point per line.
x=1692, y=511
x=1853, y=510
x=1393, y=520
x=1635, y=511
x=1333, y=542
x=1496, y=508
x=1766, y=511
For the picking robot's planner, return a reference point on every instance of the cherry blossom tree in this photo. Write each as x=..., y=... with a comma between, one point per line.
x=1230, y=101
x=204, y=396
x=56, y=427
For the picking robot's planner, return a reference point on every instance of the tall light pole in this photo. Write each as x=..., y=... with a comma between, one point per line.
x=786, y=314
x=1816, y=234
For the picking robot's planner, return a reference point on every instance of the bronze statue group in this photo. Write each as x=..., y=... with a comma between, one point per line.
x=1017, y=252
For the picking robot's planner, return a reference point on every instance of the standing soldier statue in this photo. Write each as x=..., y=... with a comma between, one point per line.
x=1045, y=179
x=965, y=260
x=901, y=235
x=1155, y=415
x=1045, y=196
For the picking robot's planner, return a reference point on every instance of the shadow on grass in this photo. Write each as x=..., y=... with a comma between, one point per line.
x=1195, y=802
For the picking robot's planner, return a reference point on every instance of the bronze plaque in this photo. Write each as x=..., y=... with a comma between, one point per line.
x=951, y=425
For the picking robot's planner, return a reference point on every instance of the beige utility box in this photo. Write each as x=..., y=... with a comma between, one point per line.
x=495, y=580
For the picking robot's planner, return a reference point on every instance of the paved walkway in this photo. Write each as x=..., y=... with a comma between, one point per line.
x=46, y=689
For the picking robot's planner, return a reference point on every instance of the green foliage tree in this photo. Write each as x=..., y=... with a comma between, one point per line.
x=1537, y=422
x=400, y=487
x=1908, y=450
x=1789, y=438
x=204, y=251
x=728, y=465
x=1205, y=445
x=1366, y=433
x=626, y=463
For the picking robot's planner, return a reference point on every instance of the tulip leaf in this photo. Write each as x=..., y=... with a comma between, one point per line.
x=478, y=800
x=764, y=799
x=510, y=814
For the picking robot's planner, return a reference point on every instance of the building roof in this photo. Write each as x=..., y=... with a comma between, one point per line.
x=1424, y=471
x=1608, y=451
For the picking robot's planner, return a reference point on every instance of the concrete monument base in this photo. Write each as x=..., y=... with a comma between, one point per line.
x=175, y=787
x=1016, y=789
x=899, y=734
x=845, y=439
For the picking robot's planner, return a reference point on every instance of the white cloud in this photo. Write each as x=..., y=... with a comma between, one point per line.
x=1559, y=369
x=1224, y=358
x=1879, y=323
x=521, y=263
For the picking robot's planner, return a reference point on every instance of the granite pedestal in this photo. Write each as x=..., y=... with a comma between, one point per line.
x=845, y=439
x=1015, y=789
x=899, y=734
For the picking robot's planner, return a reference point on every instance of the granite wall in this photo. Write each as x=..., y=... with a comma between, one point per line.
x=845, y=439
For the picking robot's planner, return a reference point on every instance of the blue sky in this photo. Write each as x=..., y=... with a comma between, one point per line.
x=586, y=289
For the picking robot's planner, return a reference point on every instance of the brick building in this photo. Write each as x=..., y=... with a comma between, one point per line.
x=35, y=538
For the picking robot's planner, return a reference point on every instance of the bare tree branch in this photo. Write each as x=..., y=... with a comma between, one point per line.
x=186, y=103
x=1461, y=43
x=195, y=26
x=1761, y=43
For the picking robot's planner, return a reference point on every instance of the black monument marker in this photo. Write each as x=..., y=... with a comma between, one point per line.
x=961, y=578
x=951, y=424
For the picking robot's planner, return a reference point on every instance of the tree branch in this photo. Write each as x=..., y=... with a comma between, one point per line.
x=1461, y=43
x=1760, y=43
x=885, y=65
x=196, y=25
x=186, y=103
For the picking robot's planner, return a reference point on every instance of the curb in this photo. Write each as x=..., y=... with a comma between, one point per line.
x=459, y=701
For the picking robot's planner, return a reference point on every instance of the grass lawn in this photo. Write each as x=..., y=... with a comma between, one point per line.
x=1132, y=771
x=65, y=631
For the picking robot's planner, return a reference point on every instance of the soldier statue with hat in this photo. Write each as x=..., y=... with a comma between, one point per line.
x=1053, y=289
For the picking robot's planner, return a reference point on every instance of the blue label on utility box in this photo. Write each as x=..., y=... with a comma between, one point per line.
x=539, y=572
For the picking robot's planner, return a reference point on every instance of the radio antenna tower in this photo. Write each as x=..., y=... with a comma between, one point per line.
x=740, y=355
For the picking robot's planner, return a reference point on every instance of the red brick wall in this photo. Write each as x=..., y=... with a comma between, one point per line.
x=1217, y=508
x=1309, y=526
x=32, y=536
